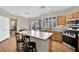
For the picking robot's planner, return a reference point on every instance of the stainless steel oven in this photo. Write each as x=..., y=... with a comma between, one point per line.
x=70, y=37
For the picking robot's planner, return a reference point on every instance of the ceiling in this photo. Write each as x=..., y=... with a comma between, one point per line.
x=32, y=11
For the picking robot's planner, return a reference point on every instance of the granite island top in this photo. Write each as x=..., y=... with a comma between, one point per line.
x=37, y=34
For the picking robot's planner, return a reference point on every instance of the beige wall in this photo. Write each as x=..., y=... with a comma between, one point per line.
x=23, y=23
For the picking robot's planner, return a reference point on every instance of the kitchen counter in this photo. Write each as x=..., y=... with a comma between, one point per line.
x=59, y=30
x=37, y=34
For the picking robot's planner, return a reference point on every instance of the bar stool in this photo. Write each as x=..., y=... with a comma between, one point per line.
x=29, y=46
x=19, y=42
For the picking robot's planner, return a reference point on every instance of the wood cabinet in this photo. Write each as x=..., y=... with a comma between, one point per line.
x=61, y=20
x=56, y=36
x=50, y=44
x=57, y=43
x=75, y=15
x=68, y=16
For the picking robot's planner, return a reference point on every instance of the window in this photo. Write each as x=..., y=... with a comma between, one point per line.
x=35, y=25
x=49, y=22
x=45, y=23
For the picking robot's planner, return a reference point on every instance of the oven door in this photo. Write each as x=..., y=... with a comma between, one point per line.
x=69, y=40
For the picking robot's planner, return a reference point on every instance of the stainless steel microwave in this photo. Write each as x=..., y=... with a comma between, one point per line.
x=73, y=22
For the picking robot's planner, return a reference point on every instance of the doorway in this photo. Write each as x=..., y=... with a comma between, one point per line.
x=13, y=25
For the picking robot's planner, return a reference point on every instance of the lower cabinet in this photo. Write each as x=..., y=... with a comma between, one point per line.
x=41, y=45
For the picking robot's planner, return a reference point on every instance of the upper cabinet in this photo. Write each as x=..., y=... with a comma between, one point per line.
x=68, y=16
x=61, y=20
x=75, y=15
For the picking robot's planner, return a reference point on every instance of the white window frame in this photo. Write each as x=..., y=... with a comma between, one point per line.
x=48, y=22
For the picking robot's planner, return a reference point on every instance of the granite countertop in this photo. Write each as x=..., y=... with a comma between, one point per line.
x=37, y=34
x=60, y=30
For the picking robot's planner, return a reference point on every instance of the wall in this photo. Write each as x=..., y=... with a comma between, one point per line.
x=23, y=23
x=4, y=13
x=4, y=28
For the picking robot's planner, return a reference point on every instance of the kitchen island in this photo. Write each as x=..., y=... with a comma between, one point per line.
x=41, y=39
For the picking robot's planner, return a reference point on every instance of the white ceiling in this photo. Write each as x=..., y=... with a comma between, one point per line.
x=32, y=11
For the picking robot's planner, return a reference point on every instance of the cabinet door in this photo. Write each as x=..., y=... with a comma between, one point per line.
x=4, y=28
x=69, y=17
x=57, y=36
x=75, y=15
x=61, y=20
